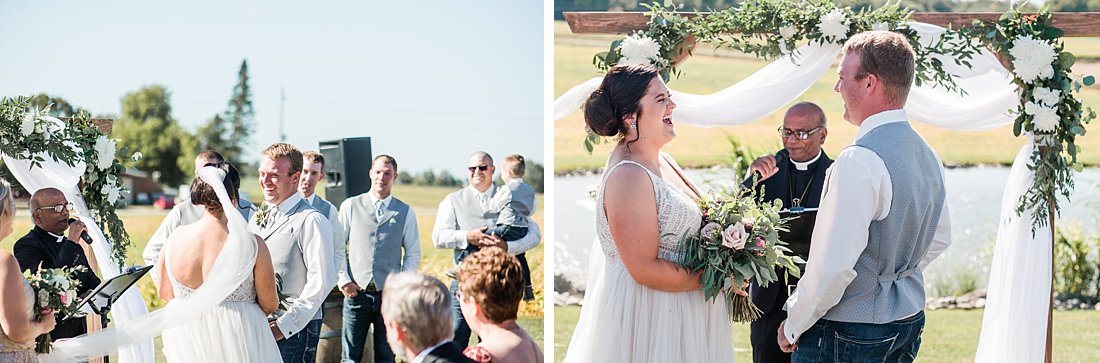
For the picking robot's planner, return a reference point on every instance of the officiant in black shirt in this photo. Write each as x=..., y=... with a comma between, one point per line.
x=795, y=175
x=55, y=243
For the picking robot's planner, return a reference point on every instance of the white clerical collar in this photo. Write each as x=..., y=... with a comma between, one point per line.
x=424, y=353
x=289, y=203
x=879, y=119
x=59, y=238
x=385, y=201
x=805, y=165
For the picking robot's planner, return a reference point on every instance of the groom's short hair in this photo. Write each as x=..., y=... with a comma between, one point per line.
x=282, y=150
x=889, y=57
x=421, y=306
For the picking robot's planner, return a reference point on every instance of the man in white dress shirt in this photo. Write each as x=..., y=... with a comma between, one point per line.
x=185, y=213
x=883, y=217
x=300, y=241
x=461, y=222
x=313, y=170
x=382, y=238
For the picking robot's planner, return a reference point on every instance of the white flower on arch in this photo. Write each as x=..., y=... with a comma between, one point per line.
x=639, y=49
x=1032, y=58
x=834, y=26
x=105, y=150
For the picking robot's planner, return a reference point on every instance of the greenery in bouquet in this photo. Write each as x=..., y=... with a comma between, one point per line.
x=284, y=303
x=738, y=241
x=54, y=289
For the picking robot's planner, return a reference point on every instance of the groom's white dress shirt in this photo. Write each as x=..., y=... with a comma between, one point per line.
x=858, y=191
x=320, y=271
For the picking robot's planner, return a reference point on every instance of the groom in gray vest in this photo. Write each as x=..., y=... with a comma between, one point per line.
x=382, y=239
x=300, y=241
x=883, y=217
x=461, y=222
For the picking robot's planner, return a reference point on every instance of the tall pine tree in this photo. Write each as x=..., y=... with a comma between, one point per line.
x=229, y=132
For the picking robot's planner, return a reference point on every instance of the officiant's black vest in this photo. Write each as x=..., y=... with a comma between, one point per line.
x=39, y=248
x=789, y=183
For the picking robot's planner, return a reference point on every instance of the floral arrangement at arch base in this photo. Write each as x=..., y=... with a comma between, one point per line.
x=738, y=241
x=27, y=134
x=1049, y=110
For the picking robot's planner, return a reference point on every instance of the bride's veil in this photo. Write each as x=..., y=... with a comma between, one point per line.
x=233, y=265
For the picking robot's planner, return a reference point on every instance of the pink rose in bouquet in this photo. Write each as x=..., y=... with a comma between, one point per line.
x=710, y=230
x=735, y=236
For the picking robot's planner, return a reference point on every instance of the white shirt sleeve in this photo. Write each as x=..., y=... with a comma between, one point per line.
x=411, y=261
x=316, y=242
x=532, y=239
x=857, y=191
x=342, y=228
x=445, y=233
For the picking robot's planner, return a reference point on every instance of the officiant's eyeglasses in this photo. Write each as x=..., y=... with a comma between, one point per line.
x=59, y=208
x=800, y=135
x=478, y=168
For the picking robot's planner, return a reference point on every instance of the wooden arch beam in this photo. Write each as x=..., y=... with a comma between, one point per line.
x=1072, y=24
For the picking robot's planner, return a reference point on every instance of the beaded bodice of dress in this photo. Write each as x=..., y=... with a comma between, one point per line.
x=677, y=214
x=244, y=293
x=7, y=345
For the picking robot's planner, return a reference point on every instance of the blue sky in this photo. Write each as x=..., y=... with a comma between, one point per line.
x=429, y=81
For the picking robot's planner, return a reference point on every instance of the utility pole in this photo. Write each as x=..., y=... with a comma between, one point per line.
x=282, y=104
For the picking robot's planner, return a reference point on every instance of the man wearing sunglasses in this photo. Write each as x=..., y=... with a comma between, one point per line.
x=794, y=175
x=53, y=244
x=461, y=222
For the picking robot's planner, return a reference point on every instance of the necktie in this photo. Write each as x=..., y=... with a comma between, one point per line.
x=379, y=209
x=484, y=200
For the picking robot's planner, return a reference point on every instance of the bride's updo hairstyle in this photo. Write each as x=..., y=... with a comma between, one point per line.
x=203, y=194
x=618, y=96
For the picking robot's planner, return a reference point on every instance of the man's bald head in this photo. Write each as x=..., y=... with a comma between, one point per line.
x=49, y=219
x=804, y=117
x=809, y=110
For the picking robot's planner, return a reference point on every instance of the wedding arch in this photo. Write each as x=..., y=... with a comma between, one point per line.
x=985, y=70
x=77, y=157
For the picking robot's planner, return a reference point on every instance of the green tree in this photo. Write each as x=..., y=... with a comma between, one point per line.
x=146, y=125
x=59, y=107
x=229, y=133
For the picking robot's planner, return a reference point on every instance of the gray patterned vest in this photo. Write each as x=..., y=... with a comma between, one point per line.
x=470, y=215
x=283, y=238
x=375, y=249
x=322, y=206
x=888, y=285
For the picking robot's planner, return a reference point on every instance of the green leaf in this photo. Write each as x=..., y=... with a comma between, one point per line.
x=1088, y=81
x=1067, y=59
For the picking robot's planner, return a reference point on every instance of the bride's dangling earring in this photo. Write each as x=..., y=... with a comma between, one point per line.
x=634, y=124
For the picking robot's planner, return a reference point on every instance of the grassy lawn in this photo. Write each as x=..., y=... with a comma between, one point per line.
x=949, y=335
x=141, y=222
x=709, y=71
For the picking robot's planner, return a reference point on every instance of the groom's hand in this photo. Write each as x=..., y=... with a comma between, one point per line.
x=784, y=344
x=765, y=165
x=350, y=290
x=275, y=331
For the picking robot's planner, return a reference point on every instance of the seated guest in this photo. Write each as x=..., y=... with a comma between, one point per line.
x=490, y=283
x=52, y=244
x=17, y=330
x=417, y=313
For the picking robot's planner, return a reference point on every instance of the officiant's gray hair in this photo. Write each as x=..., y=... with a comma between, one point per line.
x=421, y=306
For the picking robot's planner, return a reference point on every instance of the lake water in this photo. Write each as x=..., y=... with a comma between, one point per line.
x=973, y=194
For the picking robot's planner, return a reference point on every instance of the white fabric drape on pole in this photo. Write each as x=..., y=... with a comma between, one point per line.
x=1015, y=322
x=56, y=174
x=1016, y=312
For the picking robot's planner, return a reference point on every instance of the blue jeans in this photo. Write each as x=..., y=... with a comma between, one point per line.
x=302, y=346
x=462, y=330
x=833, y=341
x=360, y=312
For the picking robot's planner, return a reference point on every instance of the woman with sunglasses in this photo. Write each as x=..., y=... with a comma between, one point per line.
x=17, y=329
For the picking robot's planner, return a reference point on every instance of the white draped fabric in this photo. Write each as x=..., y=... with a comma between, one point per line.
x=1021, y=265
x=56, y=174
x=232, y=266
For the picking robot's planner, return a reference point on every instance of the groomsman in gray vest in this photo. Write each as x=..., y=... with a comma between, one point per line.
x=461, y=222
x=313, y=166
x=883, y=217
x=185, y=213
x=382, y=239
x=300, y=241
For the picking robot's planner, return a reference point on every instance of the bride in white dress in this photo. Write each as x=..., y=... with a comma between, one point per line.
x=641, y=306
x=236, y=330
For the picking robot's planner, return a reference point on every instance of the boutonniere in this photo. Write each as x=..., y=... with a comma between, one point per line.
x=261, y=215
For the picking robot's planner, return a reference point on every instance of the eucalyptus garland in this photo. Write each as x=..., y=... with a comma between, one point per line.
x=1049, y=110
x=26, y=135
x=1029, y=45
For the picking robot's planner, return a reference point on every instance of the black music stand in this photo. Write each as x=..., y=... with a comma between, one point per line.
x=103, y=296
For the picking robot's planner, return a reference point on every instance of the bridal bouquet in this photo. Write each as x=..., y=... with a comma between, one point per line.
x=54, y=288
x=738, y=241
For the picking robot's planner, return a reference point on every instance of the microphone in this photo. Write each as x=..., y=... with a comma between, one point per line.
x=83, y=234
